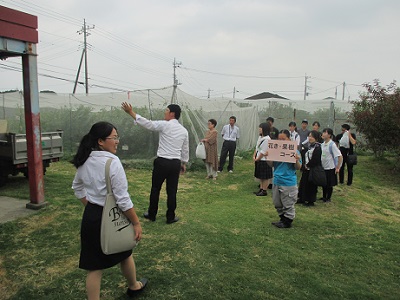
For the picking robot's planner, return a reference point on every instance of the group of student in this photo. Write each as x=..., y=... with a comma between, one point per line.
x=315, y=149
x=101, y=143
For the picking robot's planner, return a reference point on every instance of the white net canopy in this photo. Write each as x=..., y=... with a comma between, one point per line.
x=75, y=113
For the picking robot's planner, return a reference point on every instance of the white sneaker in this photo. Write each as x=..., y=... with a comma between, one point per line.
x=230, y=171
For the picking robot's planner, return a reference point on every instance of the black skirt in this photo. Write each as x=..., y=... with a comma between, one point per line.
x=92, y=257
x=262, y=170
x=331, y=178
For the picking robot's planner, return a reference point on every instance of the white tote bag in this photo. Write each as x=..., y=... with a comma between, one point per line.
x=201, y=151
x=117, y=233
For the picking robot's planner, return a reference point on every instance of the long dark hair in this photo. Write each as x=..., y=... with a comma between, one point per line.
x=89, y=142
x=265, y=128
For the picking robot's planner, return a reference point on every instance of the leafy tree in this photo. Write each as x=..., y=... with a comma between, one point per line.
x=376, y=115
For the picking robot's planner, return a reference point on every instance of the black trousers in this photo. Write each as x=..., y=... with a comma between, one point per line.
x=227, y=147
x=345, y=153
x=164, y=170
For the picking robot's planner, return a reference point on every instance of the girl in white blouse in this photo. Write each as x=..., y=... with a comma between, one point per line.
x=89, y=186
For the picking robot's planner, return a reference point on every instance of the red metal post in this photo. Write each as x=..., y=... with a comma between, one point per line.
x=19, y=34
x=33, y=136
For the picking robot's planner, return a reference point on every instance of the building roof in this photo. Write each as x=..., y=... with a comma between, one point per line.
x=265, y=95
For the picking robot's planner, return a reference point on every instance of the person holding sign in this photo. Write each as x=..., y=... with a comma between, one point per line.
x=284, y=188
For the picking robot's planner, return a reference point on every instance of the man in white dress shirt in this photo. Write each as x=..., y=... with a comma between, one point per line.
x=230, y=133
x=172, y=156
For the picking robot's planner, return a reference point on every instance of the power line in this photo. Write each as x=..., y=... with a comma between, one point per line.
x=101, y=32
x=240, y=76
x=127, y=63
x=122, y=89
x=15, y=66
x=53, y=14
x=43, y=11
x=111, y=36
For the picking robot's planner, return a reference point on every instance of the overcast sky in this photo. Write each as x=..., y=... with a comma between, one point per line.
x=250, y=46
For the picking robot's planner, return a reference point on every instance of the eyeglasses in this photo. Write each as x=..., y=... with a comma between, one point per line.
x=115, y=138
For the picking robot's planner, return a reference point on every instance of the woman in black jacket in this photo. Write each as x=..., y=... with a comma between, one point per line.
x=308, y=194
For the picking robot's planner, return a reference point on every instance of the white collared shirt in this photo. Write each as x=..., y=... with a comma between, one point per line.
x=230, y=133
x=262, y=146
x=90, y=180
x=173, y=138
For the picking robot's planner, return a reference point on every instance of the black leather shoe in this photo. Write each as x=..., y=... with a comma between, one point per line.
x=147, y=216
x=174, y=220
x=255, y=193
x=262, y=193
x=134, y=293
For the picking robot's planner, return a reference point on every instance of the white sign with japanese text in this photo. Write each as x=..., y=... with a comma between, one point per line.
x=284, y=151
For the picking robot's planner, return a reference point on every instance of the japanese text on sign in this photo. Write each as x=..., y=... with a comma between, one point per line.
x=284, y=151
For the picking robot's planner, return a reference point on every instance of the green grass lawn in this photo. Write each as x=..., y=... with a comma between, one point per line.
x=223, y=247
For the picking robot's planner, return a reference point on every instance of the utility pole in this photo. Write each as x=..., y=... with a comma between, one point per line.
x=234, y=92
x=176, y=83
x=344, y=88
x=85, y=32
x=305, y=86
x=4, y=108
x=209, y=91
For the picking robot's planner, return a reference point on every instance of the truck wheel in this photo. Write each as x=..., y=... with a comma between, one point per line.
x=3, y=180
x=26, y=173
